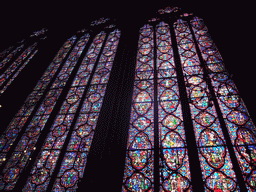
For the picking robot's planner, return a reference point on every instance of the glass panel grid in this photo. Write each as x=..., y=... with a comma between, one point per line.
x=25, y=111
x=174, y=164
x=138, y=174
x=74, y=162
x=62, y=123
x=216, y=166
x=18, y=71
x=10, y=70
x=239, y=124
x=27, y=143
x=45, y=109
x=5, y=52
x=10, y=56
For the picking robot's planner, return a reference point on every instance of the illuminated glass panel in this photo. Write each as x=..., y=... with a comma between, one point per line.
x=168, y=10
x=99, y=21
x=138, y=174
x=21, y=117
x=174, y=164
x=9, y=57
x=7, y=75
x=216, y=166
x=27, y=143
x=18, y=71
x=37, y=33
x=74, y=162
x=5, y=52
x=54, y=141
x=239, y=124
x=9, y=71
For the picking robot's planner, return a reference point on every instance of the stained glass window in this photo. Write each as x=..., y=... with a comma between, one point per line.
x=27, y=143
x=86, y=93
x=185, y=117
x=15, y=68
x=37, y=33
x=17, y=124
x=174, y=167
x=74, y=162
x=214, y=157
x=168, y=10
x=18, y=71
x=60, y=128
x=139, y=158
x=99, y=21
x=239, y=124
x=156, y=78
x=10, y=56
x=5, y=52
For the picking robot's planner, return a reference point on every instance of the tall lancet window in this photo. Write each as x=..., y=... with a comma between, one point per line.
x=68, y=139
x=16, y=125
x=5, y=52
x=223, y=133
x=74, y=161
x=11, y=79
x=139, y=166
x=156, y=79
x=157, y=111
x=214, y=156
x=15, y=68
x=174, y=164
x=10, y=56
x=237, y=119
x=22, y=152
x=53, y=144
x=10, y=68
